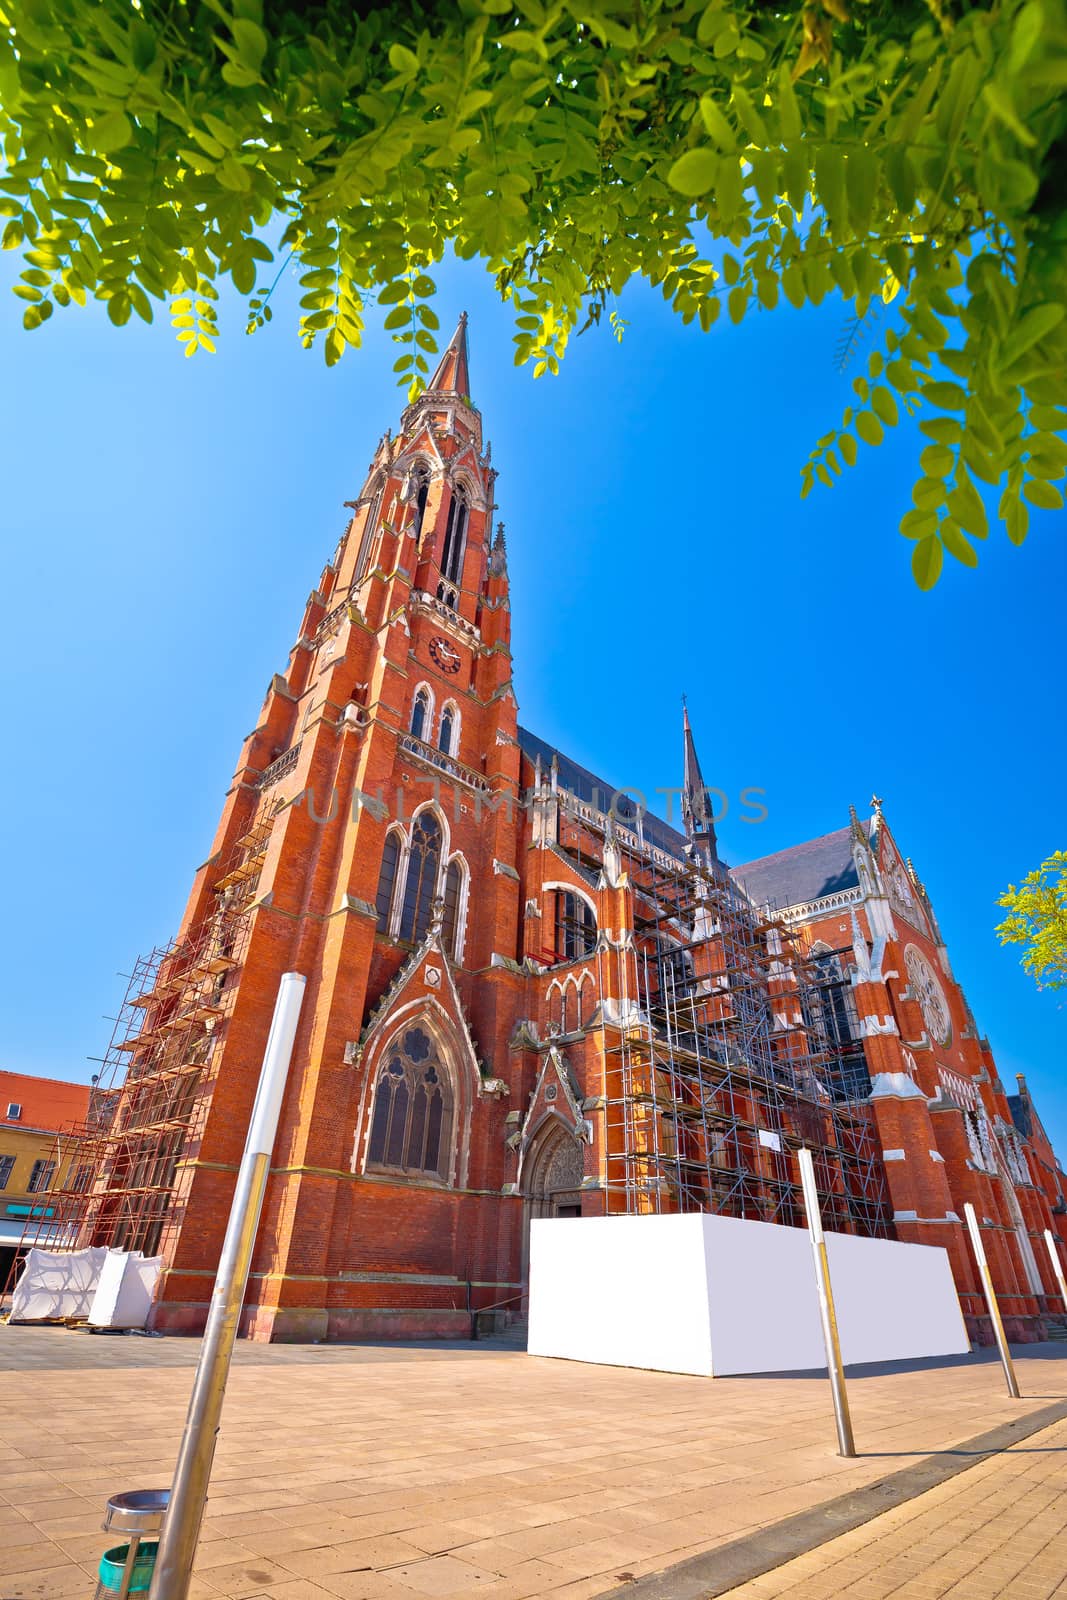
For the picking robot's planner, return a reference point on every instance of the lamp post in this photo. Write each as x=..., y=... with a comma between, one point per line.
x=846, y=1444
x=991, y=1301
x=185, y=1509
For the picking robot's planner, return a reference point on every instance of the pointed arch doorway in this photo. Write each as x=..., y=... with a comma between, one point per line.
x=552, y=1181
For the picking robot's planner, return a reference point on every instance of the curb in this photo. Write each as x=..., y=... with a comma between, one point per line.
x=717, y=1571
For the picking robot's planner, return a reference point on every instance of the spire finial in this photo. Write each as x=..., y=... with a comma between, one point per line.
x=697, y=811
x=453, y=369
x=876, y=804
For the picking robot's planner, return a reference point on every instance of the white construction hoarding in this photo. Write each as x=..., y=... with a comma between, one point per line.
x=717, y=1295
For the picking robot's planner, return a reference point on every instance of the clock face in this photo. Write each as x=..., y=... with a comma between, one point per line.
x=444, y=654
x=930, y=995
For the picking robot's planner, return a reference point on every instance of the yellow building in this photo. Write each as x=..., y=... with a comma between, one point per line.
x=40, y=1123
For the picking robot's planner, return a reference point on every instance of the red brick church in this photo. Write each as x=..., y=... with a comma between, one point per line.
x=527, y=995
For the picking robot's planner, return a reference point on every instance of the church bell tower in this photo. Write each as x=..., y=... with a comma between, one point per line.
x=369, y=840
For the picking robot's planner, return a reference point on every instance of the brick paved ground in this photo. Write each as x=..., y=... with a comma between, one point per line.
x=995, y=1531
x=352, y=1473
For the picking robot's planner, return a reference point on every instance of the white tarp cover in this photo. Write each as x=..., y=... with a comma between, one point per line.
x=56, y=1284
x=124, y=1293
x=717, y=1295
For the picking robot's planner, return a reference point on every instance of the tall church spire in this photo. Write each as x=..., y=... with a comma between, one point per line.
x=697, y=810
x=453, y=369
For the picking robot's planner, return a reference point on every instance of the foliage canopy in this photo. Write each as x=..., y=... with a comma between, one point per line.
x=1037, y=920
x=729, y=153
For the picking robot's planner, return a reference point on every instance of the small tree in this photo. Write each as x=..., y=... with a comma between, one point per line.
x=1037, y=920
x=732, y=153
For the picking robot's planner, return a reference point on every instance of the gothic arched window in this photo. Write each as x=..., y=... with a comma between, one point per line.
x=448, y=724
x=420, y=885
x=575, y=926
x=411, y=1125
x=387, y=880
x=368, y=533
x=420, y=713
x=451, y=930
x=422, y=480
x=455, y=536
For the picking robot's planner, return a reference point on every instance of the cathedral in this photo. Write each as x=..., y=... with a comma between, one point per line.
x=526, y=995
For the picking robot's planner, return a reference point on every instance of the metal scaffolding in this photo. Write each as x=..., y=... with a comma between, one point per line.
x=733, y=1047
x=150, y=1098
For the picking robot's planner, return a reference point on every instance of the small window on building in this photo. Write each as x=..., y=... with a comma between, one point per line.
x=453, y=894
x=575, y=927
x=82, y=1179
x=41, y=1177
x=419, y=713
x=422, y=478
x=7, y=1167
x=455, y=537
x=387, y=881
x=14, y=1111
x=448, y=723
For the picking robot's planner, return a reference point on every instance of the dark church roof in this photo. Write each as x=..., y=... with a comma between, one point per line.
x=1021, y=1115
x=805, y=872
x=598, y=792
x=791, y=877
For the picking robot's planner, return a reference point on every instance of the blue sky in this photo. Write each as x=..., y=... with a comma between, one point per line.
x=164, y=519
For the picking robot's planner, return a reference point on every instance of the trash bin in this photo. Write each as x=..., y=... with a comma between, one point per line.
x=113, y=1565
x=127, y=1568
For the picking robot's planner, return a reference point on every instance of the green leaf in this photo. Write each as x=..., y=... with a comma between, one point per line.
x=869, y=428
x=394, y=292
x=830, y=188
x=251, y=43
x=901, y=178
x=945, y=430
x=736, y=303
x=399, y=317
x=1000, y=104
x=918, y=524
x=1030, y=330
x=694, y=173
x=956, y=544
x=750, y=118
x=946, y=396
x=848, y=448
x=926, y=561
x=937, y=461
x=968, y=507
x=789, y=120
x=861, y=186
x=401, y=59
x=885, y=406
x=718, y=128
x=112, y=132
x=1016, y=520
x=1044, y=495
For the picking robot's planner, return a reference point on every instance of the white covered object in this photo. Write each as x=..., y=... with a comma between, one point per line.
x=124, y=1293
x=56, y=1284
x=717, y=1295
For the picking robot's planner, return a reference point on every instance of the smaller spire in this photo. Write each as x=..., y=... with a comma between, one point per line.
x=453, y=369
x=696, y=809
